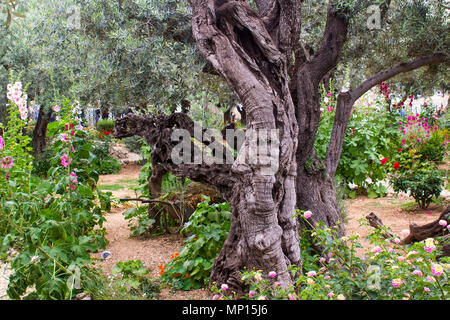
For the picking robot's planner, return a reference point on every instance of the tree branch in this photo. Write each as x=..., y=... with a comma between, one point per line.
x=400, y=68
x=333, y=40
x=157, y=132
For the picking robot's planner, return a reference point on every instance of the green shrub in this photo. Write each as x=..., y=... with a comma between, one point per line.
x=132, y=277
x=107, y=166
x=423, y=185
x=133, y=144
x=371, y=133
x=139, y=221
x=105, y=125
x=434, y=148
x=208, y=229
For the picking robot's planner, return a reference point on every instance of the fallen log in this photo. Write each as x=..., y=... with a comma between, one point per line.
x=418, y=233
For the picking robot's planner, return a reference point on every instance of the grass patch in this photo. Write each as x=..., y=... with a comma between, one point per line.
x=111, y=187
x=409, y=206
x=128, y=181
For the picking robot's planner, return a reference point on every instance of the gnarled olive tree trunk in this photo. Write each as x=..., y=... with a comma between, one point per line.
x=254, y=63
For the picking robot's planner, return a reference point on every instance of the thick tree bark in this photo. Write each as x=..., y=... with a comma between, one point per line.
x=40, y=131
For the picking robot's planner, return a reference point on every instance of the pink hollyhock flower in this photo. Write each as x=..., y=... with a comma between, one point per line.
x=71, y=146
x=2, y=143
x=272, y=274
x=7, y=162
x=7, y=176
x=72, y=132
x=64, y=137
x=65, y=160
x=73, y=177
x=66, y=127
x=307, y=214
x=73, y=187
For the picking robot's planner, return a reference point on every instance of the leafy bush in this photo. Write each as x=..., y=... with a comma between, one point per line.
x=371, y=133
x=423, y=185
x=388, y=272
x=411, y=172
x=133, y=144
x=102, y=161
x=139, y=221
x=434, y=148
x=105, y=125
x=208, y=229
x=133, y=277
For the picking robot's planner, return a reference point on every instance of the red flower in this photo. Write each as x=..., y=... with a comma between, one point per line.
x=396, y=166
x=400, y=150
x=384, y=160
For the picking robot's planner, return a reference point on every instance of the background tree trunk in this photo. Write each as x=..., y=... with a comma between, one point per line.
x=40, y=131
